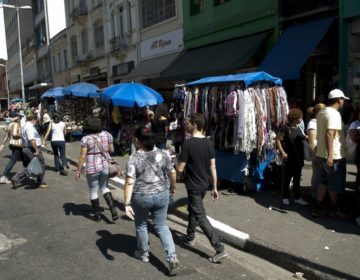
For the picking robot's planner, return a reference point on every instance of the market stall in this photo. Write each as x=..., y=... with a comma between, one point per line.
x=242, y=113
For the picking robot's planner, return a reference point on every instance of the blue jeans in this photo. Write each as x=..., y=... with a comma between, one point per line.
x=59, y=147
x=157, y=205
x=96, y=181
x=15, y=156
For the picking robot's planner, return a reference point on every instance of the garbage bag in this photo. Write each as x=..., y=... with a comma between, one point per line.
x=35, y=168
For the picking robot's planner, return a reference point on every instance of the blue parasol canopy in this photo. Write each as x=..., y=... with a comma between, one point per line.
x=56, y=92
x=82, y=90
x=131, y=94
x=247, y=78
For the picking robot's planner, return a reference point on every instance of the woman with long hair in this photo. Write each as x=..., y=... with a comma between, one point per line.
x=58, y=145
x=95, y=149
x=146, y=191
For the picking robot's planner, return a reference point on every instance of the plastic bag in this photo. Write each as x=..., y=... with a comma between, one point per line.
x=35, y=167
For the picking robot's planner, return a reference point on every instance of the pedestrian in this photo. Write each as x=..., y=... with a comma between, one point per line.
x=93, y=146
x=146, y=191
x=46, y=120
x=58, y=145
x=160, y=126
x=31, y=141
x=311, y=132
x=13, y=136
x=354, y=132
x=330, y=152
x=289, y=141
x=197, y=159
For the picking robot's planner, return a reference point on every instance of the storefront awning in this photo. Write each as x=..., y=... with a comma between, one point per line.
x=41, y=85
x=293, y=48
x=151, y=68
x=220, y=58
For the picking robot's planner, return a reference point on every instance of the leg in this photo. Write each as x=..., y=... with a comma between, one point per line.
x=296, y=182
x=62, y=146
x=142, y=206
x=287, y=179
x=15, y=155
x=159, y=212
x=197, y=207
x=192, y=224
x=40, y=179
x=19, y=176
x=93, y=184
x=55, y=148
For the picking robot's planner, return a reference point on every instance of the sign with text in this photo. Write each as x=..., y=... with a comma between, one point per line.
x=164, y=43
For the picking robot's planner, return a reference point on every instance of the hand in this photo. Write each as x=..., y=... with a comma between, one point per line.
x=130, y=212
x=1, y=147
x=172, y=191
x=284, y=155
x=77, y=176
x=37, y=152
x=329, y=162
x=214, y=194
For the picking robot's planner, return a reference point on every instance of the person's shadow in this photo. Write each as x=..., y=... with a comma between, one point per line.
x=122, y=243
x=78, y=210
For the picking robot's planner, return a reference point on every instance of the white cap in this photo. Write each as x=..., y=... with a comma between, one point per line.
x=337, y=93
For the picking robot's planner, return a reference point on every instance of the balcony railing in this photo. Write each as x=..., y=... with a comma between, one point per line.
x=119, y=44
x=81, y=10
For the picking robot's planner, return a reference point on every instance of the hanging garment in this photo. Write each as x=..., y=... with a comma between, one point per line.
x=230, y=105
x=115, y=115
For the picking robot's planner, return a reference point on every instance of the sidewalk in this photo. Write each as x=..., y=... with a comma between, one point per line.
x=322, y=248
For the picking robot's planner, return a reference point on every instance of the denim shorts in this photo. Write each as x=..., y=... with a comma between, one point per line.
x=334, y=177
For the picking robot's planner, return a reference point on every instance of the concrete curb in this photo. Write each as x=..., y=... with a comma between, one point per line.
x=257, y=247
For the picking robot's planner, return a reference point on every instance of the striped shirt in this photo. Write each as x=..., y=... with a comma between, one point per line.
x=95, y=161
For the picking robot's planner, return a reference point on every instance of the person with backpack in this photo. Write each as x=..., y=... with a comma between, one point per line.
x=13, y=136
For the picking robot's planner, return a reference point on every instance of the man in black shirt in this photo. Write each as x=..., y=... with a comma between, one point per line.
x=197, y=158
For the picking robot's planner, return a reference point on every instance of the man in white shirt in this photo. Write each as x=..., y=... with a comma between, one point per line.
x=330, y=153
x=31, y=148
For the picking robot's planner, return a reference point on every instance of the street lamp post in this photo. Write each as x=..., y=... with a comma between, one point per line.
x=7, y=85
x=18, y=8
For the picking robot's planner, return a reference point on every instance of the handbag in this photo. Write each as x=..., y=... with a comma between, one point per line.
x=15, y=143
x=350, y=149
x=308, y=152
x=114, y=166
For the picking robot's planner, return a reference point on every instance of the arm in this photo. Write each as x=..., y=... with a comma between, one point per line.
x=214, y=192
x=180, y=167
x=80, y=163
x=312, y=138
x=330, y=133
x=6, y=138
x=128, y=190
x=279, y=137
x=172, y=179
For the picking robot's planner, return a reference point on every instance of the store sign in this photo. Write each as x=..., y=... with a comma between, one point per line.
x=164, y=43
x=122, y=68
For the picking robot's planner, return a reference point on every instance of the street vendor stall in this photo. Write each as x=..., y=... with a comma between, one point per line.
x=242, y=112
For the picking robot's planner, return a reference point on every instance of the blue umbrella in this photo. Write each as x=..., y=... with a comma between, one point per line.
x=82, y=90
x=131, y=94
x=56, y=92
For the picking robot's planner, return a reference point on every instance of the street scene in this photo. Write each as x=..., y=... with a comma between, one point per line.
x=192, y=139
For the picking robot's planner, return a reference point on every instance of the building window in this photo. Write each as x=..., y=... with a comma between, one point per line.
x=121, y=22
x=197, y=7
x=59, y=61
x=54, y=64
x=84, y=40
x=219, y=2
x=98, y=34
x=129, y=25
x=73, y=45
x=155, y=11
x=65, y=59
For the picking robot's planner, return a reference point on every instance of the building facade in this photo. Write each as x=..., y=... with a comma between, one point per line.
x=350, y=48
x=4, y=93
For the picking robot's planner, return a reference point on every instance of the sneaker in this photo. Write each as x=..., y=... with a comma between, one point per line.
x=141, y=257
x=338, y=214
x=318, y=211
x=229, y=192
x=300, y=201
x=43, y=186
x=286, y=201
x=218, y=256
x=4, y=180
x=174, y=267
x=189, y=242
x=15, y=184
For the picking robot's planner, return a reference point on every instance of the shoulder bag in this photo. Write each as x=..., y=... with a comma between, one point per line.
x=114, y=166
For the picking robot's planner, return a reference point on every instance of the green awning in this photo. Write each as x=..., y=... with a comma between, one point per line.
x=216, y=59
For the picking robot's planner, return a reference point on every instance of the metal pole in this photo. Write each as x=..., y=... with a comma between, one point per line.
x=7, y=87
x=20, y=57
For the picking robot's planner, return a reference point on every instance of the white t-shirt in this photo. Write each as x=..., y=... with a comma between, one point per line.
x=57, y=131
x=29, y=132
x=46, y=118
x=312, y=126
x=329, y=118
x=355, y=125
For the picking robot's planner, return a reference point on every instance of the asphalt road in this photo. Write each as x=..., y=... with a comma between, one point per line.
x=49, y=234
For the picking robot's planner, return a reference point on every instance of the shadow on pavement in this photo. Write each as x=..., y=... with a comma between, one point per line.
x=83, y=210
